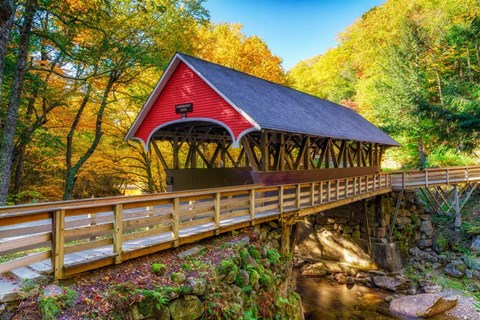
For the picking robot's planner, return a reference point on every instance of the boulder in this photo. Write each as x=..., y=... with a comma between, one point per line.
x=475, y=247
x=424, y=217
x=315, y=270
x=422, y=305
x=455, y=269
x=304, y=229
x=426, y=228
x=186, y=308
x=340, y=278
x=472, y=262
x=396, y=283
x=198, y=286
x=425, y=243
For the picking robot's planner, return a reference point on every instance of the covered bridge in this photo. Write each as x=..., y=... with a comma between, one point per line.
x=223, y=127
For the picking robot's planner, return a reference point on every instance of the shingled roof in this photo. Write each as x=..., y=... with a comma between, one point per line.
x=276, y=107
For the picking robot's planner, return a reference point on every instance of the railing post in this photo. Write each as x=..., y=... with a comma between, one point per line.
x=346, y=188
x=448, y=177
x=320, y=192
x=280, y=199
x=59, y=243
x=312, y=194
x=403, y=180
x=426, y=178
x=117, y=232
x=328, y=190
x=337, y=188
x=216, y=215
x=176, y=221
x=297, y=198
x=252, y=206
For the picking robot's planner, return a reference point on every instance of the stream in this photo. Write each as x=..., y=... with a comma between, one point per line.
x=324, y=299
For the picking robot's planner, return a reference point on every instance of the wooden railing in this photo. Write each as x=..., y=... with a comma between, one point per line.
x=75, y=236
x=434, y=177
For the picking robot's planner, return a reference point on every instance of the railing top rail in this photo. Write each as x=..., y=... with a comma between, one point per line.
x=435, y=169
x=32, y=209
x=96, y=202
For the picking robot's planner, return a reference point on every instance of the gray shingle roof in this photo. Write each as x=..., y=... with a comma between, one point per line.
x=276, y=107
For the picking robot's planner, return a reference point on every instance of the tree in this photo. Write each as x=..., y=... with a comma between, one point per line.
x=10, y=123
x=227, y=45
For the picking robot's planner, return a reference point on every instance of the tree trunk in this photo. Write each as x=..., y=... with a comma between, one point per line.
x=421, y=153
x=71, y=172
x=7, y=17
x=439, y=85
x=470, y=76
x=8, y=134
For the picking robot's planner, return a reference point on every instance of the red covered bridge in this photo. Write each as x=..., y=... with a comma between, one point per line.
x=228, y=128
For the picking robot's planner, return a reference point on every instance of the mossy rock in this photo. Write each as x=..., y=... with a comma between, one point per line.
x=178, y=277
x=186, y=308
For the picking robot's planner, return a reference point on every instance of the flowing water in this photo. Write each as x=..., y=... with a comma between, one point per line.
x=324, y=299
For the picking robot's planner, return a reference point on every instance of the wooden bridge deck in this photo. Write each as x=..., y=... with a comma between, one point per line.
x=71, y=237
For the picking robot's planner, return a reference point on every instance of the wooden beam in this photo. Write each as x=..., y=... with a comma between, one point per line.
x=395, y=214
x=159, y=153
x=249, y=153
x=58, y=244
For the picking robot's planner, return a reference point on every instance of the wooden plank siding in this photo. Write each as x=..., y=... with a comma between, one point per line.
x=112, y=230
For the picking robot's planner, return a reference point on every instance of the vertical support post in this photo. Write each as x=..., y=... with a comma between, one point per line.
x=426, y=178
x=265, y=154
x=448, y=177
x=59, y=243
x=297, y=198
x=395, y=213
x=176, y=162
x=252, y=206
x=281, y=153
x=216, y=215
x=367, y=225
x=117, y=232
x=403, y=180
x=355, y=186
x=458, y=216
x=306, y=154
x=286, y=237
x=176, y=221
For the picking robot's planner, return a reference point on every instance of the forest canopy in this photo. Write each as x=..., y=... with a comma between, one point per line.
x=413, y=69
x=74, y=75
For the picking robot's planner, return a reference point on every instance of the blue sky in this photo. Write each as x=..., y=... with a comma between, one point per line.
x=294, y=30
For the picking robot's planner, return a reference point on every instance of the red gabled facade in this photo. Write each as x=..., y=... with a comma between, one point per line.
x=185, y=86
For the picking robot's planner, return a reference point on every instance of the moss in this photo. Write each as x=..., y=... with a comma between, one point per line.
x=254, y=252
x=51, y=307
x=273, y=256
x=159, y=269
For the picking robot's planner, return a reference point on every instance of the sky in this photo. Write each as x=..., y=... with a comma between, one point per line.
x=293, y=30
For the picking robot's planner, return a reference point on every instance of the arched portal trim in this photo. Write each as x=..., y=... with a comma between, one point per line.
x=235, y=140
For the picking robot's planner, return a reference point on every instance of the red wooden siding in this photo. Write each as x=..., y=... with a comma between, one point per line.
x=185, y=86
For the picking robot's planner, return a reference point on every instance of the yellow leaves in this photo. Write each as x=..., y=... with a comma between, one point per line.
x=227, y=45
